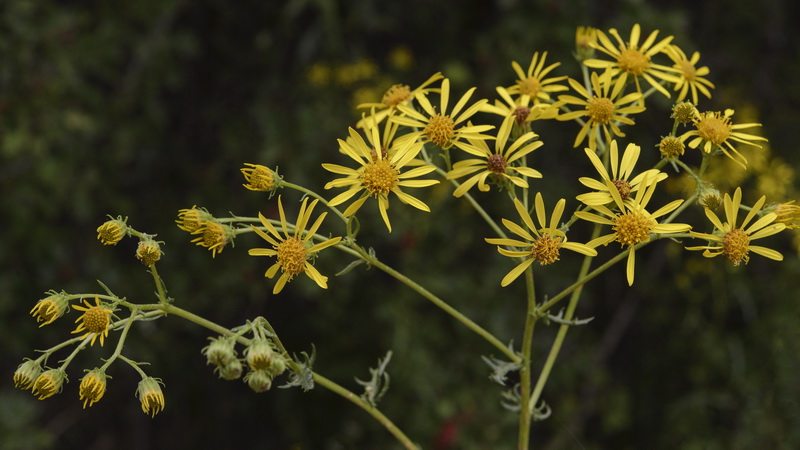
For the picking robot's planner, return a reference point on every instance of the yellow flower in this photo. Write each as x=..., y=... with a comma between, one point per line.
x=49, y=383
x=497, y=165
x=48, y=309
x=192, y=218
x=734, y=241
x=258, y=177
x=150, y=396
x=93, y=387
x=691, y=78
x=148, y=252
x=112, y=231
x=602, y=109
x=620, y=177
x=95, y=320
x=397, y=94
x=631, y=60
x=520, y=108
x=26, y=374
x=533, y=82
x=543, y=245
x=633, y=224
x=379, y=174
x=671, y=147
x=293, y=250
x=788, y=213
x=213, y=236
x=585, y=41
x=714, y=129
x=443, y=128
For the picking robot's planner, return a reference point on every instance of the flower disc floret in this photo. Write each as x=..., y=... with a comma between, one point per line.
x=600, y=109
x=734, y=246
x=714, y=127
x=379, y=177
x=396, y=94
x=440, y=130
x=94, y=321
x=631, y=228
x=633, y=61
x=292, y=256
x=546, y=249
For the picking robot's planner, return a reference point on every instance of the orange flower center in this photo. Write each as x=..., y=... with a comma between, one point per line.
x=734, y=246
x=292, y=256
x=633, y=61
x=545, y=249
x=714, y=128
x=600, y=110
x=529, y=86
x=631, y=228
x=379, y=177
x=396, y=94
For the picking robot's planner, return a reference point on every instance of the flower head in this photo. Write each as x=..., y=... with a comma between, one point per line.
x=533, y=82
x=112, y=231
x=259, y=380
x=259, y=354
x=259, y=178
x=619, y=178
x=150, y=396
x=733, y=240
x=93, y=387
x=604, y=108
x=95, y=320
x=542, y=243
x=585, y=41
x=499, y=166
x=293, y=249
x=671, y=147
x=220, y=351
x=398, y=94
x=379, y=174
x=443, y=127
x=633, y=60
x=690, y=78
x=148, y=251
x=715, y=130
x=50, y=308
x=49, y=383
x=788, y=213
x=191, y=219
x=213, y=236
x=26, y=374
x=632, y=224
x=520, y=108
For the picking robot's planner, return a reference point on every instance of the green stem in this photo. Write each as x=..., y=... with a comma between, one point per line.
x=306, y=191
x=162, y=296
x=525, y=372
x=371, y=410
x=441, y=304
x=562, y=331
x=121, y=341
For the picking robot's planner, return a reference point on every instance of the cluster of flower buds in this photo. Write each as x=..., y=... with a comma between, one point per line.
x=262, y=359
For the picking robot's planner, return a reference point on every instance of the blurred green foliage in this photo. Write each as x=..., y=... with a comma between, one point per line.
x=143, y=108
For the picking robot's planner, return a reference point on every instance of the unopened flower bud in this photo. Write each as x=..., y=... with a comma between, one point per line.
x=710, y=198
x=220, y=352
x=684, y=112
x=258, y=380
x=112, y=231
x=259, y=354
x=26, y=374
x=50, y=308
x=231, y=371
x=260, y=178
x=93, y=387
x=150, y=396
x=49, y=383
x=148, y=252
x=671, y=147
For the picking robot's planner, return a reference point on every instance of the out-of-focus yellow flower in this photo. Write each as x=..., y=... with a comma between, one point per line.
x=585, y=41
x=397, y=94
x=534, y=83
x=690, y=77
x=543, y=245
x=734, y=241
x=520, y=108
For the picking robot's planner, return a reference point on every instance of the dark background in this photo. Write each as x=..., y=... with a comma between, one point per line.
x=142, y=108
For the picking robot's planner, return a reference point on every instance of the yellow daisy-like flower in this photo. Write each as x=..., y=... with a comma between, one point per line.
x=213, y=236
x=544, y=245
x=520, y=108
x=150, y=396
x=632, y=60
x=49, y=383
x=533, y=82
x=397, y=94
x=585, y=41
x=788, y=213
x=379, y=174
x=690, y=76
x=498, y=165
x=633, y=224
x=603, y=108
x=442, y=128
x=48, y=309
x=714, y=130
x=734, y=241
x=620, y=176
x=95, y=320
x=258, y=177
x=93, y=387
x=293, y=250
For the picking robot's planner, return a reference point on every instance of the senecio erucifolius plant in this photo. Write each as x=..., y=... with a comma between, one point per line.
x=433, y=134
